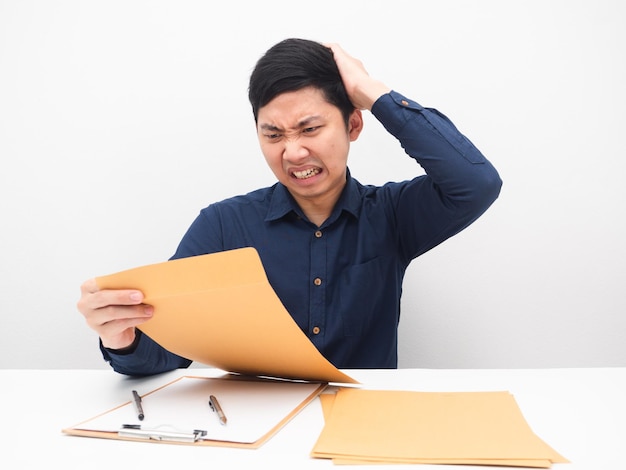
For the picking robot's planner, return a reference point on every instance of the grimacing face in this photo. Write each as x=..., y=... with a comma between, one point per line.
x=306, y=142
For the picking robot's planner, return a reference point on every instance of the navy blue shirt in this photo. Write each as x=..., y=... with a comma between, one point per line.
x=342, y=282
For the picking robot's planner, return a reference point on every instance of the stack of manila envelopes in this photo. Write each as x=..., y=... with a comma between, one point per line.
x=465, y=428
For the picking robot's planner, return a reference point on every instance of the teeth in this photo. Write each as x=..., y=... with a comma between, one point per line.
x=306, y=174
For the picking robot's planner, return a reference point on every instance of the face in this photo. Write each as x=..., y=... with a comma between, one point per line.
x=305, y=142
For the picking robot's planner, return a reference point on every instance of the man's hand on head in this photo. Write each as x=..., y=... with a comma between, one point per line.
x=362, y=89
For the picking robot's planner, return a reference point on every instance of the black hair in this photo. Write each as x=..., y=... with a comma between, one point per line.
x=293, y=64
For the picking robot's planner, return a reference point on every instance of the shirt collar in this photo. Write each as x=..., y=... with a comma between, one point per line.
x=282, y=202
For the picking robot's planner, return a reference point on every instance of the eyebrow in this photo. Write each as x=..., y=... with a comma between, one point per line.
x=303, y=123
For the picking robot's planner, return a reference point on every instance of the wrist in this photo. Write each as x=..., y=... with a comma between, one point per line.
x=369, y=92
x=127, y=342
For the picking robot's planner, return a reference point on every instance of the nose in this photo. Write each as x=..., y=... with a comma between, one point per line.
x=294, y=151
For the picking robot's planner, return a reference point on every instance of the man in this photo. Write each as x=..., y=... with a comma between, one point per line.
x=335, y=251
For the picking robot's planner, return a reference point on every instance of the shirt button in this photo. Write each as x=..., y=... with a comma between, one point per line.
x=316, y=330
x=317, y=281
x=318, y=234
x=405, y=102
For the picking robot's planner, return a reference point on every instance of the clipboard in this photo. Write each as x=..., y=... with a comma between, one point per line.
x=179, y=412
x=219, y=309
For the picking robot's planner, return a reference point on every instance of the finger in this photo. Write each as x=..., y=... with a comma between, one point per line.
x=89, y=286
x=95, y=299
x=114, y=313
x=116, y=328
x=333, y=46
x=125, y=296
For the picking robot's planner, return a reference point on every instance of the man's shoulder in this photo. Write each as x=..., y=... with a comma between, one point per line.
x=257, y=196
x=250, y=205
x=365, y=190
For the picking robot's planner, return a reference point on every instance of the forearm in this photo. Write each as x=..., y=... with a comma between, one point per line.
x=459, y=185
x=462, y=175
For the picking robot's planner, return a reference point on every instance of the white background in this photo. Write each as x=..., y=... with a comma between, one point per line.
x=121, y=119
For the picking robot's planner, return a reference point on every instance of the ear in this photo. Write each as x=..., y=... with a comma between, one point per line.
x=355, y=125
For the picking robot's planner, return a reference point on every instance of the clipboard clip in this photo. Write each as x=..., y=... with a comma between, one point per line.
x=135, y=431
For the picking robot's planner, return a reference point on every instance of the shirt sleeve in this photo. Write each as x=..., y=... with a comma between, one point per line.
x=459, y=185
x=144, y=357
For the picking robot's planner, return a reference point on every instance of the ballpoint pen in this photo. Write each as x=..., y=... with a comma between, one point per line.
x=138, y=407
x=215, y=406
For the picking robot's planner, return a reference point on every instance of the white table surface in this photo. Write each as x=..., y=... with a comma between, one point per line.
x=581, y=413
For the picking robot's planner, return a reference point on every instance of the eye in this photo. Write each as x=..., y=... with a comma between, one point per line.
x=272, y=137
x=310, y=130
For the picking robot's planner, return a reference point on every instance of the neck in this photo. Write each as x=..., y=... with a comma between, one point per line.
x=318, y=209
x=318, y=218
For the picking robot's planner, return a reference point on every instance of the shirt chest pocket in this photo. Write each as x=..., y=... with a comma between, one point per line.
x=365, y=291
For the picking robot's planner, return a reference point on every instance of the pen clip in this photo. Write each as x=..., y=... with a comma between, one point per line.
x=138, y=406
x=216, y=407
x=135, y=431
